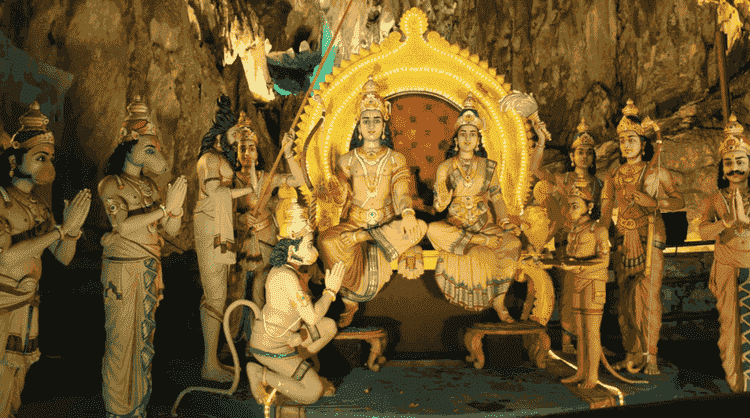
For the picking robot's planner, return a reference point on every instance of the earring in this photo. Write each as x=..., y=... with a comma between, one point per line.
x=359, y=135
x=12, y=169
x=589, y=211
x=382, y=136
x=455, y=147
x=476, y=149
x=572, y=163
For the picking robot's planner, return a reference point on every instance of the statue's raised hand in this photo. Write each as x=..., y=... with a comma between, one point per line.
x=75, y=212
x=524, y=104
x=176, y=193
x=287, y=142
x=334, y=277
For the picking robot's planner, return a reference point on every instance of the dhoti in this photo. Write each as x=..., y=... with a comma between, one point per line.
x=132, y=289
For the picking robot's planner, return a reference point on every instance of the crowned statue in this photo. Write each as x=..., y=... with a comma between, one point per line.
x=289, y=321
x=551, y=193
x=132, y=251
x=725, y=219
x=478, y=251
x=255, y=226
x=378, y=223
x=27, y=228
x=640, y=189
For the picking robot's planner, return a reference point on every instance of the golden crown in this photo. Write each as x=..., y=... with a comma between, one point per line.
x=584, y=139
x=33, y=120
x=627, y=124
x=138, y=121
x=468, y=117
x=245, y=131
x=735, y=139
x=583, y=193
x=291, y=217
x=371, y=100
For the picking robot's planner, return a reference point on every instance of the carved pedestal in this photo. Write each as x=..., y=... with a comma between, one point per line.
x=535, y=340
x=376, y=336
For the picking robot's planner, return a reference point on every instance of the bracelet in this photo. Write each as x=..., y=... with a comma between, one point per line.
x=175, y=216
x=504, y=222
x=164, y=209
x=76, y=237
x=332, y=293
x=725, y=224
x=60, y=231
x=407, y=209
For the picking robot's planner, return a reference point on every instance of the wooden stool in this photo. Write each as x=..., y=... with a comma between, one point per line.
x=376, y=336
x=535, y=340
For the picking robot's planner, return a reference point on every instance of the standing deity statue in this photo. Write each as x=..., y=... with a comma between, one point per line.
x=587, y=241
x=376, y=183
x=641, y=189
x=726, y=219
x=215, y=243
x=256, y=233
x=551, y=192
x=477, y=253
x=290, y=320
x=27, y=227
x=131, y=260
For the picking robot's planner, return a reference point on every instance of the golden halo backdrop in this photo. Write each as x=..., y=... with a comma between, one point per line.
x=419, y=64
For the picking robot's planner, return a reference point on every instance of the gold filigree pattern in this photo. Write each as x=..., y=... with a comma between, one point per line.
x=399, y=68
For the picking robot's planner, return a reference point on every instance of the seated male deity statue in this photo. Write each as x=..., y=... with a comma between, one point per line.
x=725, y=219
x=27, y=228
x=131, y=260
x=290, y=321
x=477, y=255
x=376, y=183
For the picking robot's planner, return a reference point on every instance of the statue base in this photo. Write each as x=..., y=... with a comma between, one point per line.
x=535, y=340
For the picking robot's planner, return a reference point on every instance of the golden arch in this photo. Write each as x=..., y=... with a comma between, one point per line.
x=418, y=64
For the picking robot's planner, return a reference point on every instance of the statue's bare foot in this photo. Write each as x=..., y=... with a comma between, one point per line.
x=328, y=388
x=568, y=349
x=347, y=316
x=623, y=364
x=255, y=376
x=216, y=373
x=578, y=377
x=652, y=368
x=588, y=384
x=504, y=315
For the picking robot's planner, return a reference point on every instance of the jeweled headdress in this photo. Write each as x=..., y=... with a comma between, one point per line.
x=468, y=115
x=290, y=216
x=627, y=124
x=138, y=121
x=244, y=131
x=584, y=193
x=371, y=100
x=734, y=138
x=583, y=138
x=33, y=120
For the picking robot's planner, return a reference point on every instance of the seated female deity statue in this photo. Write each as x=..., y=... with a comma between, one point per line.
x=131, y=261
x=376, y=183
x=215, y=243
x=477, y=257
x=255, y=232
x=27, y=227
x=551, y=193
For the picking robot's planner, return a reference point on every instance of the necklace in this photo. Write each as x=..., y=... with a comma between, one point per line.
x=374, y=158
x=372, y=188
x=468, y=173
x=142, y=187
x=29, y=204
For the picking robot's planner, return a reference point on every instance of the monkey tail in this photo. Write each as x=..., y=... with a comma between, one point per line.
x=617, y=375
x=235, y=357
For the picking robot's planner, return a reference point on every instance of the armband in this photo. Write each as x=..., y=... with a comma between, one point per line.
x=332, y=293
x=409, y=210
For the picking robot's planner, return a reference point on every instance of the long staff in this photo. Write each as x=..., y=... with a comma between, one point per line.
x=266, y=187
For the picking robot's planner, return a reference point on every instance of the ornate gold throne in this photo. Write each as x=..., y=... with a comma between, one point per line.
x=417, y=63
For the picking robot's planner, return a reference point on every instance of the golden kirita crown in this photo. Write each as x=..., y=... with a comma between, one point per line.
x=371, y=100
x=627, y=124
x=33, y=120
x=137, y=122
x=734, y=138
x=467, y=117
x=583, y=193
x=584, y=138
x=245, y=132
x=291, y=217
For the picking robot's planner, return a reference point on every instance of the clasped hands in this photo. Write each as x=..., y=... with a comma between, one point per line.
x=738, y=213
x=75, y=213
x=176, y=193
